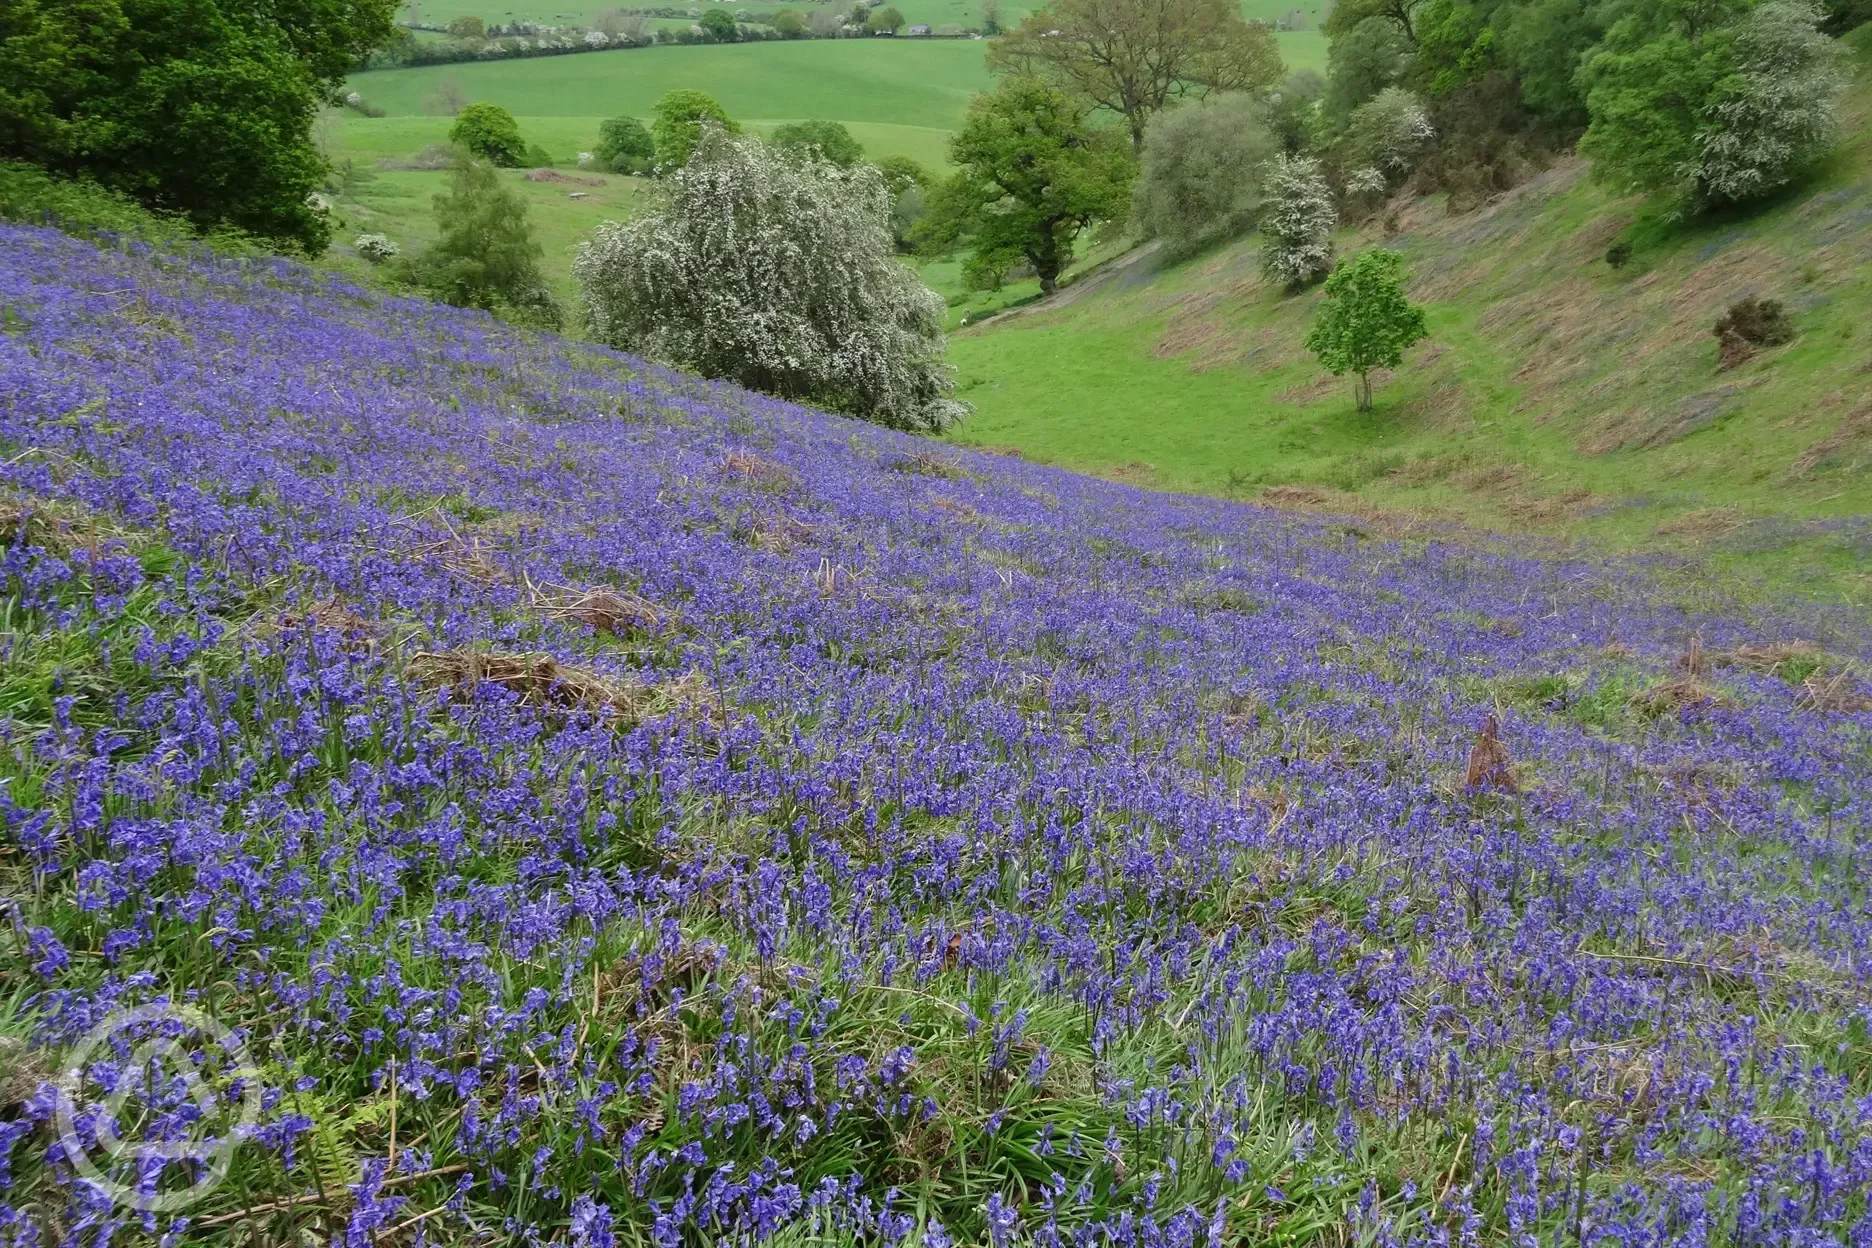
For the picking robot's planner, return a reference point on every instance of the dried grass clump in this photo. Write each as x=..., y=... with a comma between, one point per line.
x=1838, y=694
x=542, y=681
x=616, y=612
x=1490, y=766
x=329, y=615
x=779, y=533
x=1708, y=522
x=959, y=509
x=928, y=464
x=758, y=471
x=1291, y=496
x=1676, y=695
x=58, y=525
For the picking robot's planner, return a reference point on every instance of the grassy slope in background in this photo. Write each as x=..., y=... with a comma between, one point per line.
x=1555, y=391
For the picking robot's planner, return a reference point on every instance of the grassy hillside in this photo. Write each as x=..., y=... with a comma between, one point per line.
x=582, y=805
x=1555, y=392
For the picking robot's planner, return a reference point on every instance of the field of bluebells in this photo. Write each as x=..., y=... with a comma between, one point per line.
x=613, y=808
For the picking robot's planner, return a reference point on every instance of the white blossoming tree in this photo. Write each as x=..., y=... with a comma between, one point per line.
x=1297, y=217
x=1776, y=112
x=777, y=273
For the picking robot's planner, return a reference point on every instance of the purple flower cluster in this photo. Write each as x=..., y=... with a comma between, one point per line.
x=616, y=808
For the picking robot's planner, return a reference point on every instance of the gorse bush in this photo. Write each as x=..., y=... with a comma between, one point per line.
x=1200, y=179
x=777, y=272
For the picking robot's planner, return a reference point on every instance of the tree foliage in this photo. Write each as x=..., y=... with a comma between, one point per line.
x=1200, y=181
x=886, y=20
x=1775, y=113
x=202, y=109
x=719, y=25
x=1366, y=322
x=490, y=132
x=1387, y=134
x=1297, y=218
x=790, y=24
x=625, y=146
x=1137, y=57
x=829, y=139
x=1715, y=102
x=1030, y=177
x=1365, y=60
x=676, y=124
x=778, y=273
x=484, y=255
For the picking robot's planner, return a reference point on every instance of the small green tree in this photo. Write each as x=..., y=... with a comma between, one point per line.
x=1030, y=177
x=484, y=255
x=832, y=141
x=1201, y=178
x=624, y=146
x=719, y=25
x=467, y=28
x=490, y=132
x=909, y=184
x=676, y=124
x=1365, y=322
x=886, y=20
x=788, y=24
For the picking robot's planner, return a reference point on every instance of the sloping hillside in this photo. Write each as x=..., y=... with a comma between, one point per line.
x=1557, y=393
x=608, y=808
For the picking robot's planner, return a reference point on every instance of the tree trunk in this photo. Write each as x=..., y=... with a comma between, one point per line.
x=1364, y=392
x=1048, y=283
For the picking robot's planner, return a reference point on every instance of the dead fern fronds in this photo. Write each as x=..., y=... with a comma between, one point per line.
x=1676, y=695
x=1836, y=694
x=758, y=471
x=615, y=612
x=1490, y=766
x=542, y=681
x=928, y=464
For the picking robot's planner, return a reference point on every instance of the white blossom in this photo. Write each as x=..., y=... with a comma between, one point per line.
x=1776, y=112
x=1297, y=217
x=778, y=273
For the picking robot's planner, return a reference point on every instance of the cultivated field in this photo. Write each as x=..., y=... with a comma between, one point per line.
x=612, y=808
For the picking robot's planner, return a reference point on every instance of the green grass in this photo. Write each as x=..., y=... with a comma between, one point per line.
x=1555, y=394
x=935, y=13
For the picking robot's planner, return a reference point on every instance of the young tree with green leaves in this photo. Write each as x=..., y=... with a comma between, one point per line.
x=490, y=132
x=884, y=21
x=676, y=125
x=1139, y=57
x=1030, y=177
x=1366, y=321
x=829, y=139
x=203, y=109
x=719, y=25
x=484, y=255
x=624, y=146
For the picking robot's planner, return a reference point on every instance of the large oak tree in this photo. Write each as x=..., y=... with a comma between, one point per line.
x=1135, y=57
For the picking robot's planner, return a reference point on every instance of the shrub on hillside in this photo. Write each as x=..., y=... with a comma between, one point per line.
x=490, y=132
x=376, y=248
x=1297, y=219
x=830, y=140
x=778, y=273
x=1293, y=109
x=1200, y=181
x=484, y=255
x=719, y=26
x=1748, y=325
x=624, y=146
x=1387, y=134
x=1365, y=60
x=884, y=21
x=677, y=121
x=789, y=24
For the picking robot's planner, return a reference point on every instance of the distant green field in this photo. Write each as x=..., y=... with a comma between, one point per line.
x=936, y=13
x=862, y=82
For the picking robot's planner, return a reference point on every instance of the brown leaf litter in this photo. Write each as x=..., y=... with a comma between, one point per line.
x=615, y=612
x=1490, y=766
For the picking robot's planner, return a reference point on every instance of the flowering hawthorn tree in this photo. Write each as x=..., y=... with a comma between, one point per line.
x=779, y=273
